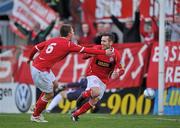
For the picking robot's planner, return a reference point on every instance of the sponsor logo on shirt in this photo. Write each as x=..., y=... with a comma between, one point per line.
x=103, y=64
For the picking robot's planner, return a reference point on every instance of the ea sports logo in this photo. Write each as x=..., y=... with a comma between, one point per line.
x=23, y=97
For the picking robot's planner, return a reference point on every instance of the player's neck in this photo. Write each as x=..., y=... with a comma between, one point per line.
x=108, y=48
x=67, y=38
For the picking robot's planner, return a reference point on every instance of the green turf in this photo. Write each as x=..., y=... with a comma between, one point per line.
x=90, y=121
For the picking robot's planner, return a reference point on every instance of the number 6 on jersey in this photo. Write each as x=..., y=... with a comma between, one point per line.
x=50, y=48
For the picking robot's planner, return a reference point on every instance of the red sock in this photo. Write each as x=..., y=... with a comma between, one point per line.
x=84, y=108
x=86, y=94
x=42, y=94
x=40, y=105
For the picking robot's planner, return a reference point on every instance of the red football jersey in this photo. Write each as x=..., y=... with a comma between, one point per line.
x=102, y=66
x=54, y=50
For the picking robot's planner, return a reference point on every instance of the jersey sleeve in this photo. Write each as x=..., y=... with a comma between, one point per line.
x=78, y=48
x=35, y=49
x=87, y=56
x=40, y=46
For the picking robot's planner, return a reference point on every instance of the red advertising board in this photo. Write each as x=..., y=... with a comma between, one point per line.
x=172, y=65
x=133, y=56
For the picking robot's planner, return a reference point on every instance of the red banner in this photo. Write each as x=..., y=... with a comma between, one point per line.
x=136, y=58
x=172, y=65
x=133, y=56
x=31, y=14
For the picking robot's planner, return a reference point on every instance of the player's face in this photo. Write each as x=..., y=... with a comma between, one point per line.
x=106, y=42
x=71, y=34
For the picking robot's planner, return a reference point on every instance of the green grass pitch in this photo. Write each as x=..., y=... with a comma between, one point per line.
x=90, y=121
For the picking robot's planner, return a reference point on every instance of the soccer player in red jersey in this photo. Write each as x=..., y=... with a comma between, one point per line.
x=100, y=70
x=50, y=52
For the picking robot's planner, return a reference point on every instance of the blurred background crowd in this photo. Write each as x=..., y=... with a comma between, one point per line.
x=137, y=28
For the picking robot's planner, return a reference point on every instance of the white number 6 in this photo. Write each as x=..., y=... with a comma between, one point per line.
x=50, y=48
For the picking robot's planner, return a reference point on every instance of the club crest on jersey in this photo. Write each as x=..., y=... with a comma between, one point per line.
x=111, y=59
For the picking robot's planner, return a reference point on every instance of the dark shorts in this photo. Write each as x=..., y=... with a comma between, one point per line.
x=74, y=94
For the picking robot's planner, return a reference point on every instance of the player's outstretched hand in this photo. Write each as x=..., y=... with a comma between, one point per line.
x=109, y=52
x=115, y=74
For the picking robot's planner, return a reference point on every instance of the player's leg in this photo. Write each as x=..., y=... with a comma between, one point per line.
x=41, y=104
x=70, y=95
x=84, y=95
x=97, y=89
x=92, y=92
x=56, y=100
x=95, y=92
x=86, y=106
x=90, y=81
x=79, y=84
x=74, y=94
x=44, y=81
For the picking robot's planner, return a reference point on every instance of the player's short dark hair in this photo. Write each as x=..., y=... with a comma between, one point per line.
x=110, y=35
x=65, y=30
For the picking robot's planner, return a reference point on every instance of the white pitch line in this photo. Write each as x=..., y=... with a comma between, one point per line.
x=137, y=118
x=168, y=119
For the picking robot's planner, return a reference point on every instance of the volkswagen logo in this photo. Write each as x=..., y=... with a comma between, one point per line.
x=23, y=97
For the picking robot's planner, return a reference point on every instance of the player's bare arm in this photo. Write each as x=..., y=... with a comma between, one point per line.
x=32, y=53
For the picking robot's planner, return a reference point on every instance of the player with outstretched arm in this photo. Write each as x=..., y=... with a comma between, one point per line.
x=100, y=70
x=50, y=52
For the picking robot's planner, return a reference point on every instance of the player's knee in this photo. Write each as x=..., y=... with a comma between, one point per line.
x=95, y=92
x=94, y=101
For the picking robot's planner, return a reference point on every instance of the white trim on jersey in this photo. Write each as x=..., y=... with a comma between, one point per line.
x=37, y=48
x=82, y=49
x=41, y=58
